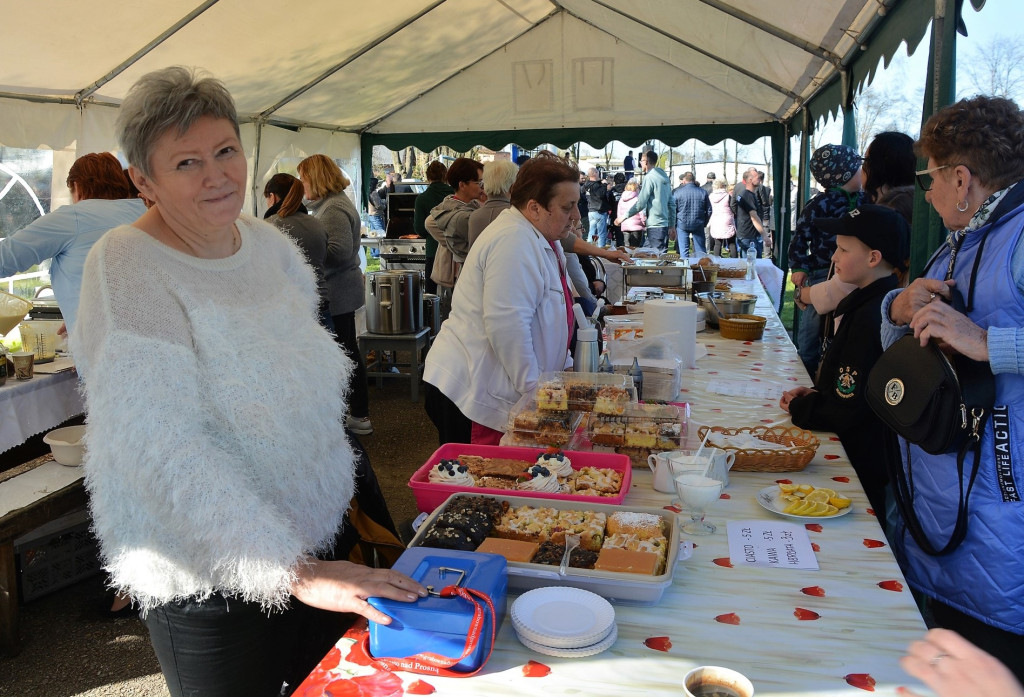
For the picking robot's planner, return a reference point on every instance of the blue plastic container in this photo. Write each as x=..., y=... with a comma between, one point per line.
x=440, y=625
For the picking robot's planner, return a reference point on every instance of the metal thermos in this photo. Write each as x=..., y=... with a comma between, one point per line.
x=587, y=355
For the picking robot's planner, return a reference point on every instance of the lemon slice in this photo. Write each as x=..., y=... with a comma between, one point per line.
x=787, y=488
x=819, y=508
x=791, y=508
x=806, y=508
x=805, y=488
x=840, y=501
x=831, y=510
x=830, y=492
x=817, y=496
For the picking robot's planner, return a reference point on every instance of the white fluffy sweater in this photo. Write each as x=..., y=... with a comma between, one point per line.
x=216, y=457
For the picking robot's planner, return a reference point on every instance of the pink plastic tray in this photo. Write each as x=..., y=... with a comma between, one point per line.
x=430, y=496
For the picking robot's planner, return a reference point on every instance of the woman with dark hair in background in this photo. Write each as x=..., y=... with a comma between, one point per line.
x=436, y=190
x=285, y=212
x=101, y=200
x=451, y=216
x=325, y=186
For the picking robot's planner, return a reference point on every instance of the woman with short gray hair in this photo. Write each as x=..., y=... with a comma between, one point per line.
x=498, y=178
x=216, y=485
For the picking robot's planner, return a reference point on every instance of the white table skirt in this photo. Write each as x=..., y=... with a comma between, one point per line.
x=29, y=407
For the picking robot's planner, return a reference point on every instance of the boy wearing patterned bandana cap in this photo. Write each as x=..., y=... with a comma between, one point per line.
x=871, y=243
x=837, y=170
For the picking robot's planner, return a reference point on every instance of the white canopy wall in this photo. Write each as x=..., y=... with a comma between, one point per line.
x=339, y=70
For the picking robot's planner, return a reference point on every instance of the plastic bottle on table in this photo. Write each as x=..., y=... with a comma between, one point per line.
x=638, y=378
x=751, y=260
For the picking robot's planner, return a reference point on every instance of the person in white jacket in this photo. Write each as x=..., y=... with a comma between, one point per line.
x=511, y=311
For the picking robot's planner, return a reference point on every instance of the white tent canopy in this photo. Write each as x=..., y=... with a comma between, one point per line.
x=329, y=76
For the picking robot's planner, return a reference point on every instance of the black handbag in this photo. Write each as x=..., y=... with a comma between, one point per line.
x=934, y=401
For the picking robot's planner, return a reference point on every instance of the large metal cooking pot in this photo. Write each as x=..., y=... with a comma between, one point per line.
x=394, y=302
x=665, y=275
x=728, y=304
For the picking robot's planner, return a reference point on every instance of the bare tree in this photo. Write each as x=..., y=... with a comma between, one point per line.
x=893, y=109
x=995, y=69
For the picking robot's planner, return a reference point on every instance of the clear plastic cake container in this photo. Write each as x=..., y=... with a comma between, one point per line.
x=541, y=433
x=621, y=588
x=430, y=495
x=589, y=382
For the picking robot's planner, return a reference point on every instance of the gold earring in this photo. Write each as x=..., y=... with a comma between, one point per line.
x=964, y=209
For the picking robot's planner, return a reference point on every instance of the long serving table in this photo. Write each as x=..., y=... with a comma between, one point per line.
x=839, y=630
x=30, y=407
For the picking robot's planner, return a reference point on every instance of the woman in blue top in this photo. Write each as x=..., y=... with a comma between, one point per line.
x=975, y=151
x=100, y=201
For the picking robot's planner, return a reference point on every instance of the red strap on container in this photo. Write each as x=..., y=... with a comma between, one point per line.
x=434, y=664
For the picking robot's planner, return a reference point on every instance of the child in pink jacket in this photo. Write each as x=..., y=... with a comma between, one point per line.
x=635, y=226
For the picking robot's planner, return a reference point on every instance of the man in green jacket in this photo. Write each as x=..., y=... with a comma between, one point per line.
x=436, y=192
x=655, y=198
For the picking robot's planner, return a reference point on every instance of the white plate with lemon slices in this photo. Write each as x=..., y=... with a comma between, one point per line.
x=806, y=507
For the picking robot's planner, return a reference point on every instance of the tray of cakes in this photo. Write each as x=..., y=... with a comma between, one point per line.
x=626, y=554
x=640, y=430
x=513, y=471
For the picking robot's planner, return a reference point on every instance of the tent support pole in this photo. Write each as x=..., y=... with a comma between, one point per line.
x=84, y=93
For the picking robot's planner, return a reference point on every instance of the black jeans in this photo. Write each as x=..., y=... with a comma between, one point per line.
x=452, y=425
x=359, y=396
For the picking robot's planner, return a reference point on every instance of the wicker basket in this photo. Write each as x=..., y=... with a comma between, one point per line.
x=793, y=459
x=747, y=328
x=732, y=272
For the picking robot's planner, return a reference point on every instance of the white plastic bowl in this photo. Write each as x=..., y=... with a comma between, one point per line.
x=67, y=444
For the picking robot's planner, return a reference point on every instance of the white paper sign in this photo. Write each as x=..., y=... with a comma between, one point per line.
x=770, y=544
x=745, y=388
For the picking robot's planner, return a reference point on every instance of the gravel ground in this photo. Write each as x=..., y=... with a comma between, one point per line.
x=70, y=649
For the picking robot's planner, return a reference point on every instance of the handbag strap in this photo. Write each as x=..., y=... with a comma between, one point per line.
x=904, y=492
x=436, y=664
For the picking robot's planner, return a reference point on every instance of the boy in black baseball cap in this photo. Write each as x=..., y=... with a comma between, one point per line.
x=871, y=243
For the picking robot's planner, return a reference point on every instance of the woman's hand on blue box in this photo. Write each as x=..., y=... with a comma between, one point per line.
x=342, y=586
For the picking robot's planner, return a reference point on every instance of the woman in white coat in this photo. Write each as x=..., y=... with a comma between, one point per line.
x=511, y=314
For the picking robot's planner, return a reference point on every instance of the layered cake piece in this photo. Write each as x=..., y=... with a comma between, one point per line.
x=643, y=525
x=626, y=561
x=552, y=553
x=606, y=431
x=512, y=550
x=641, y=434
x=655, y=545
x=611, y=400
x=543, y=428
x=527, y=523
x=582, y=395
x=587, y=524
x=552, y=396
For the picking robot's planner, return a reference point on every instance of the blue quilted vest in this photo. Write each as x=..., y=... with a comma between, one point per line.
x=984, y=577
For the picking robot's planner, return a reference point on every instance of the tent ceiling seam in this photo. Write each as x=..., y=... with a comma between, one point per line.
x=529, y=28
x=361, y=51
x=84, y=93
x=778, y=33
x=732, y=66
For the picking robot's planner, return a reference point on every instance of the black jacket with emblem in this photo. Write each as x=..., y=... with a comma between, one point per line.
x=838, y=403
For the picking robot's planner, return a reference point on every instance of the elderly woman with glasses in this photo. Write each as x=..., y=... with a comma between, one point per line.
x=975, y=152
x=217, y=465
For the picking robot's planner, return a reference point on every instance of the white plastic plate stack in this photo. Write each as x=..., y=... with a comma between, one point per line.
x=565, y=622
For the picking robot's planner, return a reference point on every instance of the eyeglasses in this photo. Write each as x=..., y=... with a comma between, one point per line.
x=924, y=177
